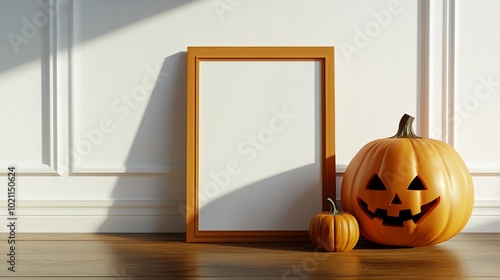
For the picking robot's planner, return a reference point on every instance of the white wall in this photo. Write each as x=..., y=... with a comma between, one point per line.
x=93, y=94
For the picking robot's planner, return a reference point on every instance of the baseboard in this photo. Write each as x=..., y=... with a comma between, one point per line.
x=485, y=217
x=98, y=216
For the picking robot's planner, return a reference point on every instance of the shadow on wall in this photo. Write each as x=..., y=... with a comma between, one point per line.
x=154, y=182
x=150, y=197
x=23, y=22
x=285, y=201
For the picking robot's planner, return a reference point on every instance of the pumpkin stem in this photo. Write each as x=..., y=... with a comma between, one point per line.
x=405, y=128
x=333, y=209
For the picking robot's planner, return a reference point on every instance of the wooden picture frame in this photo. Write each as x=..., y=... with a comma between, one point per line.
x=260, y=142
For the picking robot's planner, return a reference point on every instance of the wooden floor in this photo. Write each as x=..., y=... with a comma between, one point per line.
x=142, y=256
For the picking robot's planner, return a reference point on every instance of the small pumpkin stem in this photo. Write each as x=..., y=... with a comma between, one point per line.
x=333, y=209
x=405, y=128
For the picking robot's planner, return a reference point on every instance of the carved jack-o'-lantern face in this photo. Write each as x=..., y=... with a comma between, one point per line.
x=408, y=191
x=395, y=204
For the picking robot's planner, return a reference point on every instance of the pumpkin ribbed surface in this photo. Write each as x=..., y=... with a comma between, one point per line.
x=408, y=191
x=334, y=231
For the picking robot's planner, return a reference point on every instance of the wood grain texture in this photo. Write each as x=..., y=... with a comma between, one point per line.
x=145, y=256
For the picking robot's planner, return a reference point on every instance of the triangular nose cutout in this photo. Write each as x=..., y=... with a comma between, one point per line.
x=396, y=200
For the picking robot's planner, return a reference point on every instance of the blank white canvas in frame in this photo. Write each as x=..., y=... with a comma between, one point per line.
x=259, y=144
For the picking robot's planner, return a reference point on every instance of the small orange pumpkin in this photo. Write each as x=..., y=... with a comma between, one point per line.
x=407, y=190
x=334, y=231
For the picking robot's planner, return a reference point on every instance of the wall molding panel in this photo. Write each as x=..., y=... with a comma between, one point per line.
x=90, y=128
x=474, y=87
x=48, y=105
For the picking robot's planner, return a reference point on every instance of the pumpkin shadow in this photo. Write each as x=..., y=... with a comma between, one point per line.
x=306, y=246
x=366, y=244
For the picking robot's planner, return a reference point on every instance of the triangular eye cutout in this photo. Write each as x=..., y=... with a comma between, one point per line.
x=376, y=184
x=416, y=185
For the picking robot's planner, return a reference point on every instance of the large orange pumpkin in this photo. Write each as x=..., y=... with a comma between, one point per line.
x=408, y=191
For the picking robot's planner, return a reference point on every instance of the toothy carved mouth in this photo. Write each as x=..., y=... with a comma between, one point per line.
x=404, y=215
